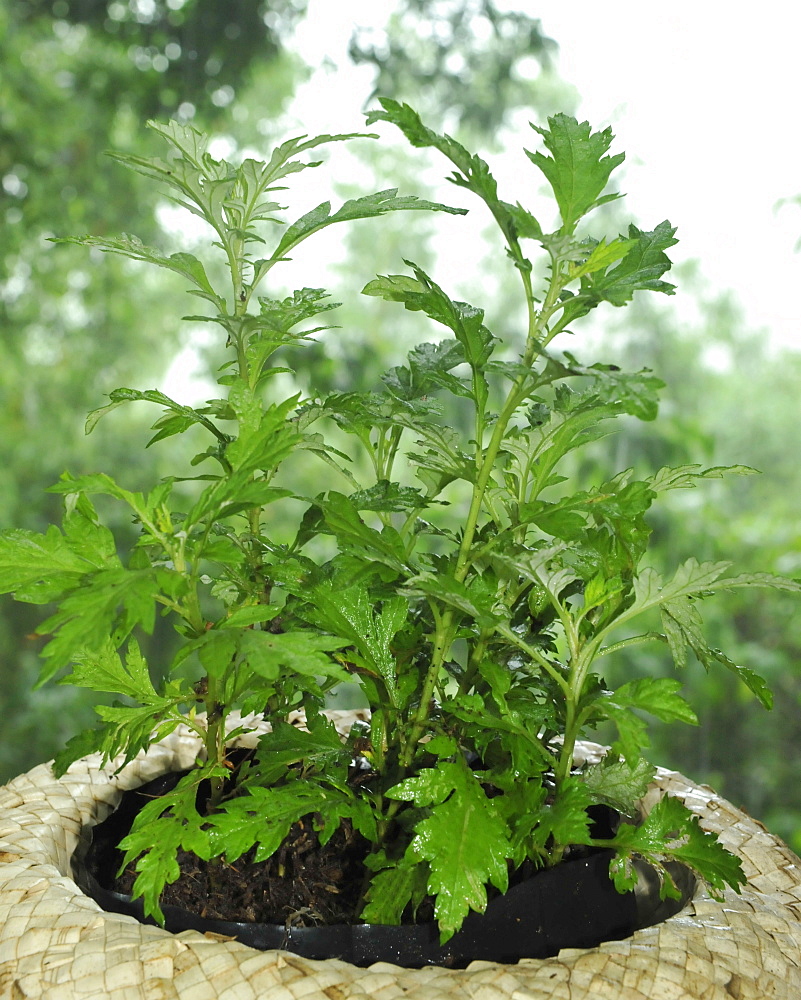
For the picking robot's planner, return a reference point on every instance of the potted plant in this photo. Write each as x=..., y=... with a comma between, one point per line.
x=451, y=571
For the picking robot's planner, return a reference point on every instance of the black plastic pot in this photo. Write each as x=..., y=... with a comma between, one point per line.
x=574, y=905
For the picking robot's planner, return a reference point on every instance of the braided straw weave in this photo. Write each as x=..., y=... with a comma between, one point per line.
x=57, y=944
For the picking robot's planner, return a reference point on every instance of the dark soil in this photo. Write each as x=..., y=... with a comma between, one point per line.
x=302, y=884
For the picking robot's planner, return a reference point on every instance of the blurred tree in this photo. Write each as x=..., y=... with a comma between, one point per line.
x=189, y=55
x=467, y=63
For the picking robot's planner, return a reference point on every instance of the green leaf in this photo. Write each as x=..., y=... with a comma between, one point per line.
x=163, y=827
x=366, y=207
x=565, y=819
x=28, y=557
x=281, y=315
x=103, y=670
x=464, y=840
x=266, y=436
x=656, y=695
x=270, y=655
x=671, y=832
x=423, y=294
x=687, y=476
x=472, y=599
x=693, y=579
x=474, y=173
x=176, y=420
x=182, y=263
x=320, y=749
x=264, y=815
x=683, y=627
x=617, y=783
x=91, y=612
x=387, y=496
x=342, y=519
x=641, y=268
x=577, y=169
x=601, y=256
x=349, y=612
x=391, y=890
x=242, y=617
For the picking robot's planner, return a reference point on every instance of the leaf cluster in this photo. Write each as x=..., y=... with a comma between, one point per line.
x=474, y=641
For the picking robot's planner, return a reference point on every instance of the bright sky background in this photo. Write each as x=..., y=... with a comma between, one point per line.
x=703, y=97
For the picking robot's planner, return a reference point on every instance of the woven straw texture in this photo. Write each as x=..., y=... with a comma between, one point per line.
x=57, y=944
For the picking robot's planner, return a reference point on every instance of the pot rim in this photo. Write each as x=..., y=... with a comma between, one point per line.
x=56, y=943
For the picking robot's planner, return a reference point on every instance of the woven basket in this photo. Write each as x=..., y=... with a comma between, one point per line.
x=57, y=944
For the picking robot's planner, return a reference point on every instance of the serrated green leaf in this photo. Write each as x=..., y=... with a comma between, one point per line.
x=254, y=614
x=565, y=819
x=103, y=670
x=342, y=519
x=423, y=294
x=27, y=556
x=176, y=419
x=687, y=476
x=266, y=436
x=305, y=653
x=320, y=748
x=130, y=246
x=602, y=255
x=163, y=827
x=387, y=496
x=656, y=695
x=577, y=170
x=91, y=611
x=391, y=890
x=641, y=268
x=671, y=832
x=366, y=207
x=618, y=784
x=466, y=843
x=473, y=599
x=264, y=815
x=683, y=627
x=349, y=612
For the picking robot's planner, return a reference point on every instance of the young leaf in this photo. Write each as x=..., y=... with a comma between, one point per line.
x=304, y=653
x=577, y=169
x=387, y=496
x=342, y=520
x=641, y=269
x=392, y=889
x=350, y=613
x=264, y=815
x=103, y=670
x=90, y=612
x=320, y=749
x=687, y=476
x=425, y=295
